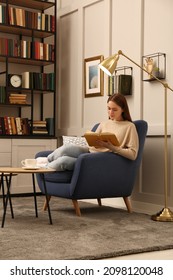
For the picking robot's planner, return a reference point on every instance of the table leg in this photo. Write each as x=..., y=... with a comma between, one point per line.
x=47, y=198
x=35, y=198
x=3, y=193
x=11, y=207
x=7, y=197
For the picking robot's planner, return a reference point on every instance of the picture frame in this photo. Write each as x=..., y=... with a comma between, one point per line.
x=93, y=76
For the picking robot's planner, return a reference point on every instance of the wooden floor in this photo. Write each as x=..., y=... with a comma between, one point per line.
x=157, y=255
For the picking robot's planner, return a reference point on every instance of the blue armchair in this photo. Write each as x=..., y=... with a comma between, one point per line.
x=96, y=175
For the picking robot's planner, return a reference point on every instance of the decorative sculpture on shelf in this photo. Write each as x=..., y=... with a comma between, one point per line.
x=149, y=66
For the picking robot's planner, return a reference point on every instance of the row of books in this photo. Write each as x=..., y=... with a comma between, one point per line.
x=27, y=49
x=14, y=126
x=120, y=83
x=17, y=98
x=27, y=19
x=30, y=80
x=3, y=18
x=12, y=98
x=39, y=127
x=43, y=51
x=38, y=81
x=21, y=126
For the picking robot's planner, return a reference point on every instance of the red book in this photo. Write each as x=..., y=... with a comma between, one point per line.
x=7, y=131
x=52, y=23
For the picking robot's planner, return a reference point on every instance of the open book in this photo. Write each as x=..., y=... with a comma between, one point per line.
x=93, y=137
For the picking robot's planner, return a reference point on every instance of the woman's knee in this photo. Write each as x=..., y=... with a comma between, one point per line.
x=63, y=163
x=73, y=150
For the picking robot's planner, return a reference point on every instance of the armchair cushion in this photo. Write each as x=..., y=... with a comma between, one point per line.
x=59, y=177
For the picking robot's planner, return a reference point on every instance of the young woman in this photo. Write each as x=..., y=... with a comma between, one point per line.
x=119, y=123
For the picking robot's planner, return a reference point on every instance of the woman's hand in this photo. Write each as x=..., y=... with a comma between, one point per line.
x=106, y=144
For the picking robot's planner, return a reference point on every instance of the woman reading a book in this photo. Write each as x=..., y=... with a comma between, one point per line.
x=119, y=123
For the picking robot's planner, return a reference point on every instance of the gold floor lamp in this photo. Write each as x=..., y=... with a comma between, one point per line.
x=109, y=65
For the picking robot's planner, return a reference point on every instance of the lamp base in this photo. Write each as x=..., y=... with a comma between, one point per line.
x=165, y=215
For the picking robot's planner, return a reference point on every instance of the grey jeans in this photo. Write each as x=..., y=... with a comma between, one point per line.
x=64, y=157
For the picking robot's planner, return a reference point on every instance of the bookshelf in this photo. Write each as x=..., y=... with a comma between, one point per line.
x=28, y=50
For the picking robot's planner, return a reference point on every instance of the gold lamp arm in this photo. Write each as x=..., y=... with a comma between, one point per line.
x=142, y=68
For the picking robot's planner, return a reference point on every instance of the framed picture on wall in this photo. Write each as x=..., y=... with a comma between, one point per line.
x=93, y=76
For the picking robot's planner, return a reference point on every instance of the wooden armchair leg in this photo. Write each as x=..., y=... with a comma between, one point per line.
x=99, y=201
x=45, y=202
x=76, y=207
x=128, y=204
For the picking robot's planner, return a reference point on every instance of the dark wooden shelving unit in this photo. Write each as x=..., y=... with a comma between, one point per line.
x=32, y=35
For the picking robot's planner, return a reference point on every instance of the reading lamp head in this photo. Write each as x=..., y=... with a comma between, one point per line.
x=109, y=64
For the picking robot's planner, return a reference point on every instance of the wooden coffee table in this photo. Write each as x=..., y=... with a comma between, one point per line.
x=11, y=171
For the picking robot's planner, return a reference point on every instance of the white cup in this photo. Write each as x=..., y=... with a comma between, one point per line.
x=29, y=162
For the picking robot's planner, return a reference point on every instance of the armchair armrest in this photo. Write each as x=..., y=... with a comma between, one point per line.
x=102, y=166
x=43, y=154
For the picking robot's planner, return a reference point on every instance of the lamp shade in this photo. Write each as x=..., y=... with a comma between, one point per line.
x=109, y=64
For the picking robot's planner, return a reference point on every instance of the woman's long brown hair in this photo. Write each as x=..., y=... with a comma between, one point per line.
x=121, y=101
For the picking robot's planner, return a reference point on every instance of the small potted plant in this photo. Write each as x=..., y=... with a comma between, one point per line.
x=156, y=72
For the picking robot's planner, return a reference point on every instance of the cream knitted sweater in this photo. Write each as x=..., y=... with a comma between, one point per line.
x=127, y=135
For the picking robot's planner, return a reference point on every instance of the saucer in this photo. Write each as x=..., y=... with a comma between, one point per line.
x=31, y=167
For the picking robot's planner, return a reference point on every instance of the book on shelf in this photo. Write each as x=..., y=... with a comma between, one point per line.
x=13, y=125
x=27, y=49
x=9, y=125
x=93, y=137
x=125, y=84
x=38, y=81
x=36, y=131
x=22, y=126
x=2, y=14
x=39, y=127
x=29, y=19
x=5, y=125
x=50, y=125
x=39, y=16
x=111, y=85
x=25, y=80
x=40, y=130
x=43, y=22
x=25, y=126
x=39, y=123
x=43, y=51
x=18, y=126
x=6, y=128
x=17, y=98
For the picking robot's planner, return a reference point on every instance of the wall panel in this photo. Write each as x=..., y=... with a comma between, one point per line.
x=126, y=36
x=68, y=72
x=94, y=18
x=158, y=22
